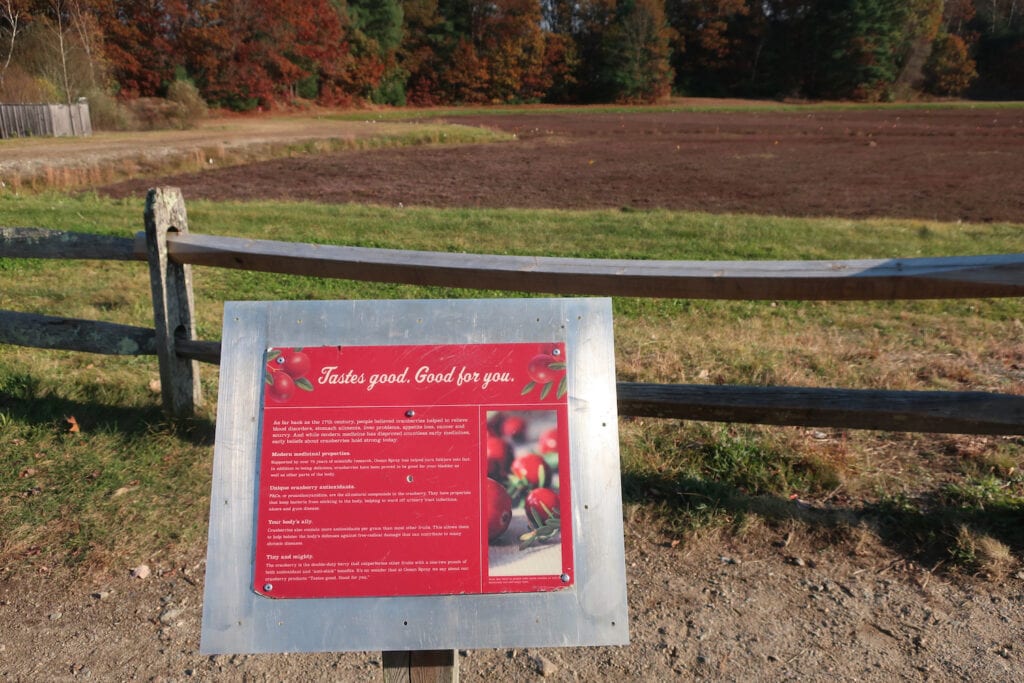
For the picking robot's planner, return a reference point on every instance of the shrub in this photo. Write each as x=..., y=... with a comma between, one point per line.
x=106, y=112
x=949, y=70
x=391, y=89
x=156, y=113
x=20, y=87
x=186, y=94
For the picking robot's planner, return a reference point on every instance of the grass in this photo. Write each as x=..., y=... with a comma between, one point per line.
x=125, y=477
x=131, y=483
x=691, y=105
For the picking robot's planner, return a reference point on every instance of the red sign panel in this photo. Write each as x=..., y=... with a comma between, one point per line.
x=414, y=470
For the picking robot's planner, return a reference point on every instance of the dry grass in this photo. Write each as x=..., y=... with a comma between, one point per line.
x=862, y=346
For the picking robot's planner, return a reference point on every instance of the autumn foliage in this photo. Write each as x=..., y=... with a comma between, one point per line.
x=244, y=54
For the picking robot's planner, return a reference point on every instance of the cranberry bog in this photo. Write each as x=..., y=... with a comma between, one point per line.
x=733, y=531
x=946, y=164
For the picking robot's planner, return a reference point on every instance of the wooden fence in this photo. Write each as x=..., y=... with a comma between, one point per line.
x=54, y=120
x=171, y=250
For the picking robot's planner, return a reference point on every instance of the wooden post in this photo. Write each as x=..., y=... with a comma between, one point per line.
x=421, y=666
x=173, y=304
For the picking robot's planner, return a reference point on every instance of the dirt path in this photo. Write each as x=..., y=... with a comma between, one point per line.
x=933, y=164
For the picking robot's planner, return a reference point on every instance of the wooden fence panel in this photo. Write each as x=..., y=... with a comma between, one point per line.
x=58, y=120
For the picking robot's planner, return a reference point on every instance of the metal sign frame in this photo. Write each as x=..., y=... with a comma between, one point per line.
x=593, y=611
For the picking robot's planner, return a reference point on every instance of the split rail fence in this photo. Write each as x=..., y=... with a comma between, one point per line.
x=171, y=250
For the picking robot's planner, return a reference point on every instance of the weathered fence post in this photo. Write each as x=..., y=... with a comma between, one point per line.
x=173, y=303
x=421, y=666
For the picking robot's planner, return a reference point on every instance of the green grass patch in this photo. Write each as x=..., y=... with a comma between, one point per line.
x=130, y=482
x=94, y=473
x=972, y=524
x=688, y=105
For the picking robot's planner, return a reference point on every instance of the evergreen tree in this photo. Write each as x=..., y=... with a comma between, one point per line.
x=861, y=42
x=380, y=21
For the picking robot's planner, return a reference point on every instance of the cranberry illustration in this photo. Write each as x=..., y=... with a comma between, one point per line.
x=498, y=505
x=540, y=370
x=295, y=363
x=531, y=470
x=499, y=457
x=541, y=505
x=280, y=386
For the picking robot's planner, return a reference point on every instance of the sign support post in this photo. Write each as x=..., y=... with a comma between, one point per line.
x=423, y=666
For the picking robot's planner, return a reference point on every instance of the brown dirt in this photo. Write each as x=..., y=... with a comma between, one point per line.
x=953, y=164
x=768, y=606
x=780, y=600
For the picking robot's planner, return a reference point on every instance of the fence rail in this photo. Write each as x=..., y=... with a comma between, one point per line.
x=171, y=251
x=919, y=278
x=959, y=277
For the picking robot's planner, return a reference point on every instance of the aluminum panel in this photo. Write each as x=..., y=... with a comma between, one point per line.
x=591, y=612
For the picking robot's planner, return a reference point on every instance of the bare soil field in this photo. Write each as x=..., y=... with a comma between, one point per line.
x=942, y=164
x=794, y=596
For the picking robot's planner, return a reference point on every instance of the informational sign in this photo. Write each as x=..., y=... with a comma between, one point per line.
x=414, y=470
x=415, y=475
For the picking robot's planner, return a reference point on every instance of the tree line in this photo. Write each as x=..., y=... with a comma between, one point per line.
x=243, y=54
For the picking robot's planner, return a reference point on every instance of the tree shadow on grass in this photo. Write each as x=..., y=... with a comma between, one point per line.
x=944, y=527
x=23, y=400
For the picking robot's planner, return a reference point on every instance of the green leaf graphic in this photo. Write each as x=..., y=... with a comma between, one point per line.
x=528, y=388
x=304, y=384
